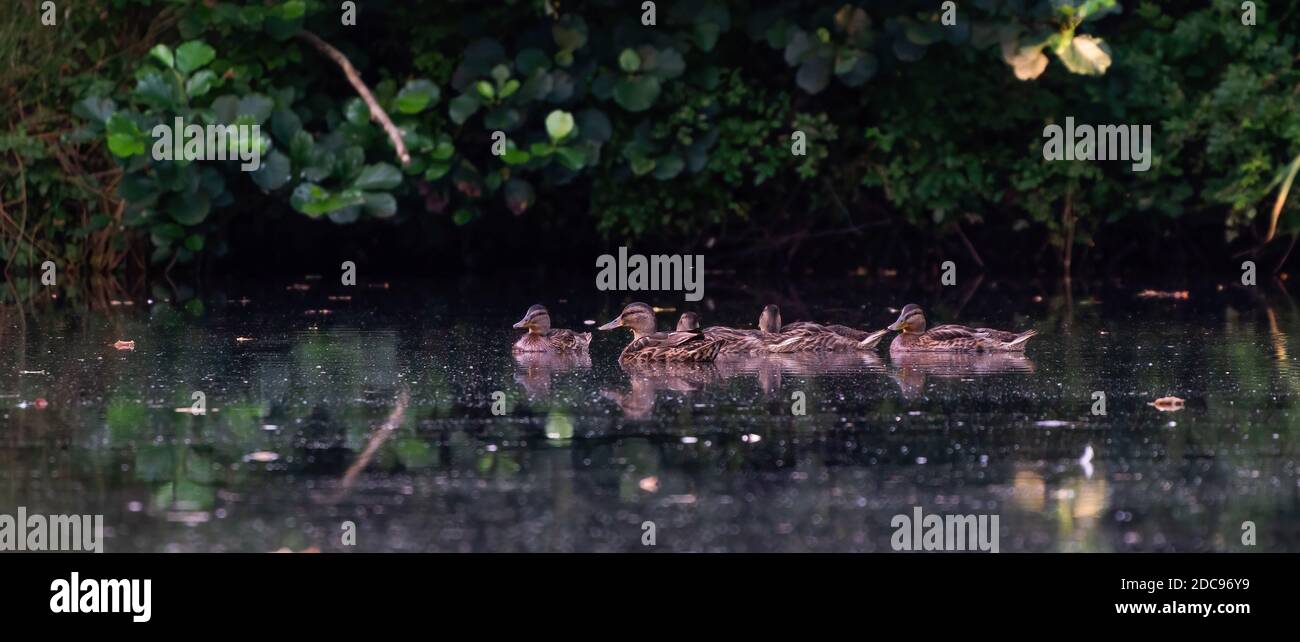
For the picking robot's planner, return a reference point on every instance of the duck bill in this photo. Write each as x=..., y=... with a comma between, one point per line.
x=523, y=323
x=897, y=326
x=616, y=323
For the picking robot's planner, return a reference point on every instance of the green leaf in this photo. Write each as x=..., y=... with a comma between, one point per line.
x=380, y=204
x=165, y=233
x=668, y=167
x=95, y=108
x=284, y=21
x=814, y=74
x=285, y=124
x=257, y=106
x=530, y=60
x=923, y=34
x=669, y=64
x=629, y=61
x=437, y=170
x=706, y=35
x=636, y=94
x=594, y=126
x=188, y=209
x=503, y=118
x=380, y=176
x=201, y=83
x=443, y=150
x=559, y=124
x=572, y=158
x=163, y=54
x=462, y=107
x=194, y=55
x=124, y=137
x=570, y=32
x=500, y=73
x=356, y=111
x=463, y=216
x=158, y=90
x=194, y=243
x=485, y=89
x=417, y=96
x=293, y=9
x=864, y=67
x=137, y=188
x=642, y=165
x=274, y=172
x=509, y=88
x=515, y=156
x=313, y=200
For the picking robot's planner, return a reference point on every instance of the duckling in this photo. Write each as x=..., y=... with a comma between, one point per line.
x=913, y=337
x=649, y=345
x=542, y=338
x=806, y=336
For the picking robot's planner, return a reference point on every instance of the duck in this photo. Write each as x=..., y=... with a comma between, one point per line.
x=914, y=337
x=688, y=322
x=650, y=345
x=806, y=336
x=541, y=337
x=734, y=340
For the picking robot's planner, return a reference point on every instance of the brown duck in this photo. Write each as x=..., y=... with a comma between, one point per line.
x=541, y=337
x=806, y=336
x=649, y=345
x=733, y=340
x=914, y=337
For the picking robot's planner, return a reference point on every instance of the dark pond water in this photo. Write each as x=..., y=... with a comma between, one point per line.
x=373, y=405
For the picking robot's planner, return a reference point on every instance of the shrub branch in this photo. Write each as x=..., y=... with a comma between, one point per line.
x=377, y=113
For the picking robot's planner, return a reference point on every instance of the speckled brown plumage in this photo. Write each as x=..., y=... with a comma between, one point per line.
x=649, y=345
x=542, y=338
x=914, y=337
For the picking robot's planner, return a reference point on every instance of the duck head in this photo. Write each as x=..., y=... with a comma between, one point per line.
x=689, y=322
x=536, y=319
x=910, y=320
x=637, y=317
x=770, y=319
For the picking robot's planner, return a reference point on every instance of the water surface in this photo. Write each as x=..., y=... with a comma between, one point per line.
x=373, y=405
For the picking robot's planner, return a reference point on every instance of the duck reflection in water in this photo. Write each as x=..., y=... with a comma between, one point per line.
x=534, y=369
x=912, y=368
x=649, y=378
x=771, y=368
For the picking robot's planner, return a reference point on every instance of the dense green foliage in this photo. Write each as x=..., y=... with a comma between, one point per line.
x=678, y=130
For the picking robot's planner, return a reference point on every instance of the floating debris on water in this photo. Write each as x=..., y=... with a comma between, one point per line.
x=1180, y=295
x=1052, y=423
x=124, y=345
x=262, y=456
x=1168, y=404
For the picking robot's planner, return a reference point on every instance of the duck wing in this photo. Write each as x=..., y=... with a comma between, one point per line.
x=737, y=341
x=690, y=345
x=569, y=340
x=960, y=337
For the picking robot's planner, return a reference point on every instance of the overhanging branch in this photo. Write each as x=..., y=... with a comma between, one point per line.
x=377, y=113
